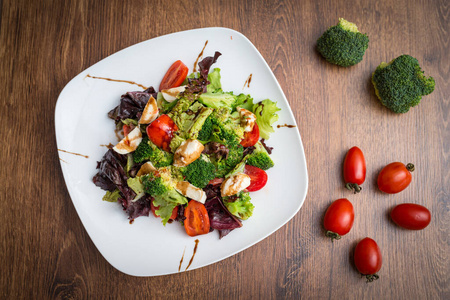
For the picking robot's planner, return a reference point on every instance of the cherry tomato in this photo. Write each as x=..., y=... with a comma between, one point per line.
x=197, y=219
x=126, y=129
x=411, y=216
x=354, y=169
x=258, y=178
x=339, y=218
x=251, y=138
x=174, y=76
x=160, y=131
x=395, y=177
x=368, y=258
x=155, y=208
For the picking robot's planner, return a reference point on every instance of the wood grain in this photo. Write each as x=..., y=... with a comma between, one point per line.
x=44, y=249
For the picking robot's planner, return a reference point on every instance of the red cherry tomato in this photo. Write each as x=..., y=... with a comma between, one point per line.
x=197, y=219
x=251, y=138
x=368, y=258
x=174, y=76
x=160, y=131
x=126, y=129
x=354, y=169
x=155, y=208
x=395, y=177
x=258, y=178
x=339, y=218
x=411, y=216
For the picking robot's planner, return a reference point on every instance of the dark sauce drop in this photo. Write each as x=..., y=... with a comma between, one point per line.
x=286, y=125
x=193, y=254
x=247, y=82
x=73, y=153
x=181, y=261
x=200, y=55
x=117, y=80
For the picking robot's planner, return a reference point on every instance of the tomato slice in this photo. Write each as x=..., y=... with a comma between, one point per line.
x=155, y=208
x=174, y=76
x=126, y=129
x=160, y=131
x=251, y=138
x=197, y=219
x=258, y=178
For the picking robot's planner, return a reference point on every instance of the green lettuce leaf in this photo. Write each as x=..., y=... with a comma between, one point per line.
x=266, y=114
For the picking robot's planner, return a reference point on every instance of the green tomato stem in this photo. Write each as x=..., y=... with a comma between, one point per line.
x=333, y=235
x=371, y=277
x=410, y=167
x=354, y=187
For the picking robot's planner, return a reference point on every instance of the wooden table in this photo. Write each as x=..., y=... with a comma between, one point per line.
x=45, y=251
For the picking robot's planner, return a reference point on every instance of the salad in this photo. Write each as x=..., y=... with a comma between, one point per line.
x=190, y=152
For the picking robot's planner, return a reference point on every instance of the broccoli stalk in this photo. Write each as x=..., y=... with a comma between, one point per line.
x=401, y=84
x=343, y=44
x=260, y=157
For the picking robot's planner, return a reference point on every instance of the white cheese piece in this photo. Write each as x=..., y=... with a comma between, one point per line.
x=150, y=112
x=234, y=184
x=190, y=191
x=130, y=142
x=248, y=119
x=171, y=95
x=146, y=168
x=187, y=152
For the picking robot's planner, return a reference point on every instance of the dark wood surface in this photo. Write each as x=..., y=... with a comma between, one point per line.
x=45, y=251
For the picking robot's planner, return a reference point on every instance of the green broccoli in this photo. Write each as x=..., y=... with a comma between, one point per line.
x=149, y=151
x=239, y=206
x=199, y=172
x=161, y=186
x=260, y=157
x=201, y=118
x=224, y=133
x=205, y=133
x=226, y=164
x=401, y=84
x=343, y=44
x=154, y=185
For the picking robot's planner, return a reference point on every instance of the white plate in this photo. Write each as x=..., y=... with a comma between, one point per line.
x=146, y=247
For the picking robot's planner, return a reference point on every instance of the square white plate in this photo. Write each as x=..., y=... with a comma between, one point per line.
x=146, y=247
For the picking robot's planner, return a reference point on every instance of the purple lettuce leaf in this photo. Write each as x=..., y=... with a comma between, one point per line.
x=141, y=207
x=132, y=105
x=220, y=218
x=198, y=85
x=112, y=173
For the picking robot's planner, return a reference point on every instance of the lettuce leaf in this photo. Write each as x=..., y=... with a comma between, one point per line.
x=266, y=114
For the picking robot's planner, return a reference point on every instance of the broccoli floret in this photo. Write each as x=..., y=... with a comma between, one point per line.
x=161, y=186
x=201, y=118
x=149, y=151
x=343, y=44
x=260, y=157
x=205, y=133
x=241, y=206
x=401, y=84
x=223, y=133
x=226, y=164
x=200, y=172
x=154, y=185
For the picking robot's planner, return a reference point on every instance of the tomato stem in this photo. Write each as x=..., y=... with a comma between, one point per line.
x=410, y=167
x=371, y=277
x=333, y=235
x=354, y=187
